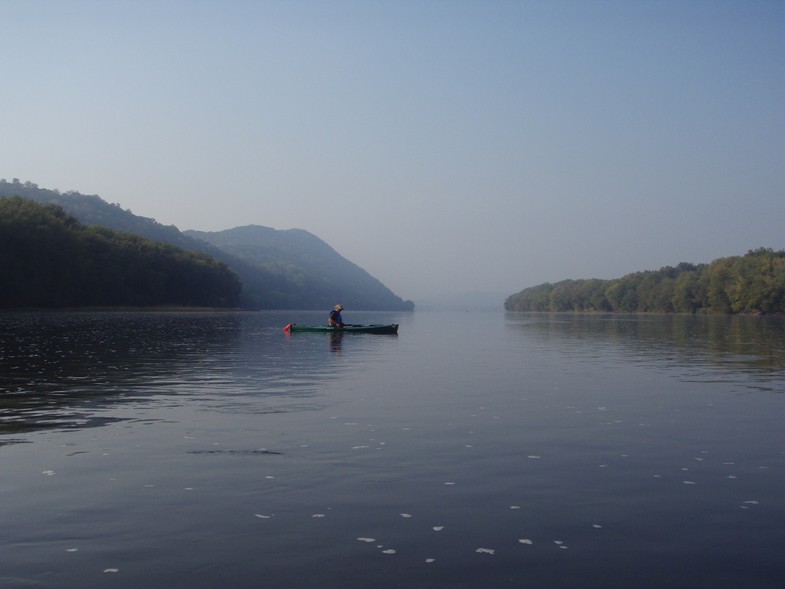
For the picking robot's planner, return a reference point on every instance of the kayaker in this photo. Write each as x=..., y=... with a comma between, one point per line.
x=335, y=320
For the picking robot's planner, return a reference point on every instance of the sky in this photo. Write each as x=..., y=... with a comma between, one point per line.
x=443, y=146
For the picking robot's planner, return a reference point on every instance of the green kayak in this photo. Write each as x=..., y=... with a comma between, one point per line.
x=377, y=328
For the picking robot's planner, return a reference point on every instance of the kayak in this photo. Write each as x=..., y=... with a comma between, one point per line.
x=373, y=328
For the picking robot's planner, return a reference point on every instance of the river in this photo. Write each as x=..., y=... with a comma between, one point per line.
x=471, y=450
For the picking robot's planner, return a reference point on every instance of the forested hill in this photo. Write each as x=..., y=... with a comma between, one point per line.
x=749, y=284
x=93, y=210
x=281, y=278
x=50, y=260
x=308, y=272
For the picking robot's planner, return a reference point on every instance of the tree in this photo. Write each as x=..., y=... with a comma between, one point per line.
x=48, y=259
x=753, y=283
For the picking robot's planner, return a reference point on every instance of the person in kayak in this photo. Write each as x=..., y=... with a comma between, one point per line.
x=335, y=320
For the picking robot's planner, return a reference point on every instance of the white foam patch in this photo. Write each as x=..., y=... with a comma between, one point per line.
x=689, y=482
x=261, y=516
x=48, y=473
x=318, y=515
x=438, y=528
x=486, y=551
x=111, y=570
x=430, y=560
x=388, y=551
x=515, y=506
x=525, y=541
x=368, y=540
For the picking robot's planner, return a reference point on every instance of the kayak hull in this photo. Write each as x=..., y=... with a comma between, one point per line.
x=390, y=328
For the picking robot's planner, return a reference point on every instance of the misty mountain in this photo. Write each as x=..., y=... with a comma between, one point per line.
x=312, y=273
x=290, y=269
x=93, y=210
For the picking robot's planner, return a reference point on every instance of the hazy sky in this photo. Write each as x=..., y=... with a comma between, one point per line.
x=441, y=145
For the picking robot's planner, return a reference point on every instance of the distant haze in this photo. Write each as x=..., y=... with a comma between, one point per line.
x=445, y=147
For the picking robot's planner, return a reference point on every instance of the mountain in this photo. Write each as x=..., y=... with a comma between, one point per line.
x=290, y=269
x=48, y=259
x=309, y=273
x=93, y=210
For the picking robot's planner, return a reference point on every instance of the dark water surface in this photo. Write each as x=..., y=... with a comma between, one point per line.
x=473, y=450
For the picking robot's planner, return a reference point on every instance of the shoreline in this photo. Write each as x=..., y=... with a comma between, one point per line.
x=124, y=309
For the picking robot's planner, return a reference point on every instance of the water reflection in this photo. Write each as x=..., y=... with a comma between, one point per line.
x=58, y=369
x=336, y=342
x=741, y=345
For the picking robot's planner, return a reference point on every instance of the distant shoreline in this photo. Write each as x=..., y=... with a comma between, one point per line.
x=126, y=309
x=653, y=313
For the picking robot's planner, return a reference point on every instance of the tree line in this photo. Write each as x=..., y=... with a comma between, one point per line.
x=750, y=284
x=48, y=259
x=290, y=269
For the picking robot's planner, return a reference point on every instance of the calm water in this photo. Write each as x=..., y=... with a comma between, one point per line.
x=474, y=450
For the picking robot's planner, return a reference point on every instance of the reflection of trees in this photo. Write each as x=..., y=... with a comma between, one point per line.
x=738, y=343
x=64, y=370
x=57, y=369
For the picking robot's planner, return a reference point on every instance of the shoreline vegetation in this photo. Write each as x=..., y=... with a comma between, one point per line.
x=752, y=284
x=129, y=309
x=276, y=269
x=50, y=260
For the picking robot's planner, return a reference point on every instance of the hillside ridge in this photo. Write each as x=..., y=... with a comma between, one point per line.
x=276, y=267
